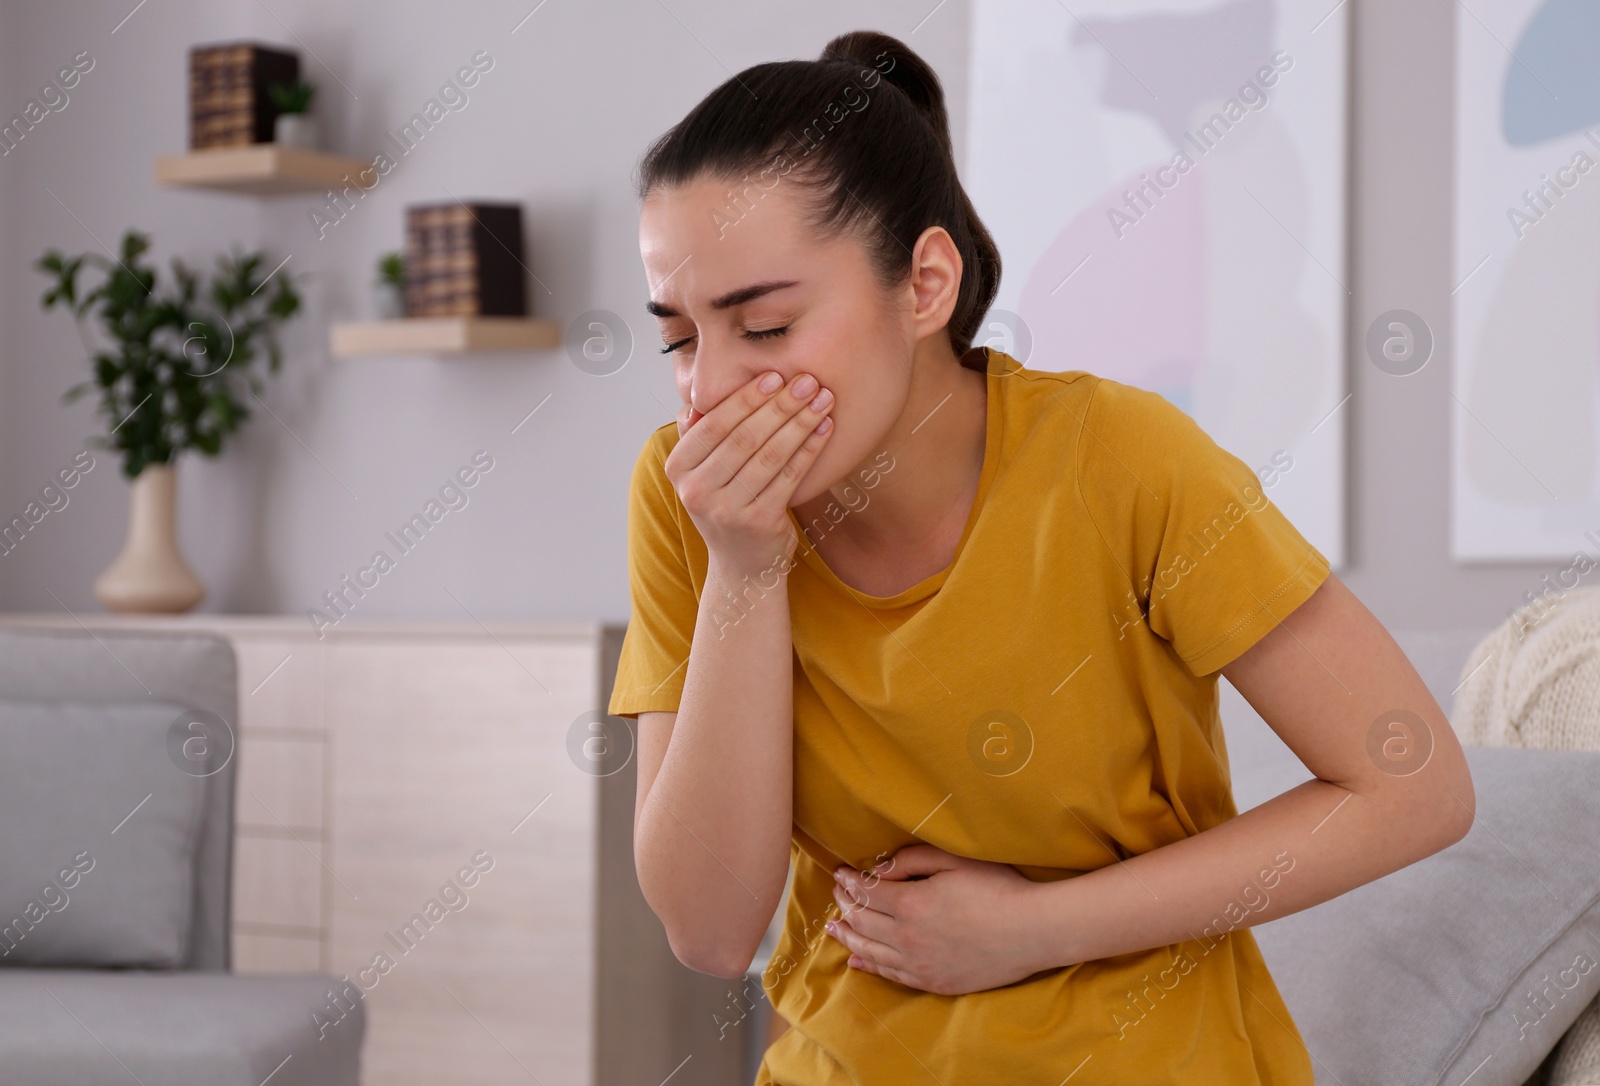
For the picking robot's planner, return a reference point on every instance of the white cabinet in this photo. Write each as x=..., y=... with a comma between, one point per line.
x=408, y=814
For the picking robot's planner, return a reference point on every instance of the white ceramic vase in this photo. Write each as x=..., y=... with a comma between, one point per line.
x=391, y=302
x=150, y=574
x=295, y=130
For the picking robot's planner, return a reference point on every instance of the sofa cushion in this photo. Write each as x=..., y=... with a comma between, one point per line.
x=178, y=1029
x=98, y=856
x=1470, y=963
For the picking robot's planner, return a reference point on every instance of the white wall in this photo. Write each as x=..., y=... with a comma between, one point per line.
x=574, y=98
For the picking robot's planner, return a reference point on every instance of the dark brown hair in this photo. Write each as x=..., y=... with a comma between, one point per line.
x=863, y=130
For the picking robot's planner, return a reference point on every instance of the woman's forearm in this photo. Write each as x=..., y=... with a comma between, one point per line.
x=712, y=840
x=1312, y=843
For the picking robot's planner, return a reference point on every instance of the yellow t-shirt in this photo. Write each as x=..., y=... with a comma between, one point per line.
x=1049, y=700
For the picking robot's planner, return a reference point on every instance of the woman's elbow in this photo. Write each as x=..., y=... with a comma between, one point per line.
x=714, y=958
x=1451, y=808
x=702, y=943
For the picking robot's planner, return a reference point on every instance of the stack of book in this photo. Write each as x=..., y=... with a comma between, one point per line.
x=465, y=259
x=228, y=100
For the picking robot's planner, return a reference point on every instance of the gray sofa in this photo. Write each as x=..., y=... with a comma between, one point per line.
x=117, y=794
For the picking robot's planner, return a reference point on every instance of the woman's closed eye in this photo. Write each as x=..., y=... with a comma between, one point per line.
x=763, y=333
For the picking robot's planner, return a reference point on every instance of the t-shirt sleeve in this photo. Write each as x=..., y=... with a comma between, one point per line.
x=1212, y=563
x=655, y=649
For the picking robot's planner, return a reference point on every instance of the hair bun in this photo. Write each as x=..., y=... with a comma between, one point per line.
x=900, y=66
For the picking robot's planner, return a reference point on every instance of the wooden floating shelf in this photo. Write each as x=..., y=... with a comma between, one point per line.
x=443, y=335
x=259, y=169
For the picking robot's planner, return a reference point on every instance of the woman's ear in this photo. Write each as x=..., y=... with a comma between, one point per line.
x=935, y=280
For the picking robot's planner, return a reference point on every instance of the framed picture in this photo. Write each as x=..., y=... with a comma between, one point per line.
x=1526, y=295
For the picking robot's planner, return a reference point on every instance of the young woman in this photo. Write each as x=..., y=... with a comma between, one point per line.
x=944, y=632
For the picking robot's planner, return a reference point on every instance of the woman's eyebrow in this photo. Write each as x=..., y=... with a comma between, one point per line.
x=728, y=300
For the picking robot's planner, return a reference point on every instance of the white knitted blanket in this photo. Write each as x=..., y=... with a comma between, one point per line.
x=1535, y=682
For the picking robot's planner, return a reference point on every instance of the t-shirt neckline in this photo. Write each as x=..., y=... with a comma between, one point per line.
x=997, y=365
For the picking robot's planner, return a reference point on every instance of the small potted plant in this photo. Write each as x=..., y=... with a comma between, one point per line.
x=294, y=126
x=391, y=284
x=180, y=356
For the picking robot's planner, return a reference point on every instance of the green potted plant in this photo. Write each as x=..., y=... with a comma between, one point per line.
x=294, y=126
x=170, y=381
x=391, y=284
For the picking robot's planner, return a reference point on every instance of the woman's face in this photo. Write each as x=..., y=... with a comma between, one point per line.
x=836, y=322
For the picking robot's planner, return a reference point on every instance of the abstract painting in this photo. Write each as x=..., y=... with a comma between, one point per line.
x=1166, y=184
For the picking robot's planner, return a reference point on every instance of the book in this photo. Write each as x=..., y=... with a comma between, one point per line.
x=465, y=259
x=228, y=100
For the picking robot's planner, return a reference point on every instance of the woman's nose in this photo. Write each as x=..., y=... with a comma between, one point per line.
x=706, y=394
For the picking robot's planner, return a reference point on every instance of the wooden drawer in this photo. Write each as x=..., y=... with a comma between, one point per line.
x=277, y=882
x=281, y=781
x=256, y=952
x=280, y=681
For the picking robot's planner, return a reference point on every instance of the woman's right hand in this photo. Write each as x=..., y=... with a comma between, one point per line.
x=736, y=467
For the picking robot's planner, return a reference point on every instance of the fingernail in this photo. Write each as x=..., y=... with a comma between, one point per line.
x=805, y=386
x=770, y=382
x=820, y=403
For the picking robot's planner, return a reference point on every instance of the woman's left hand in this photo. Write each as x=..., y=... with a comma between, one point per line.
x=964, y=927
